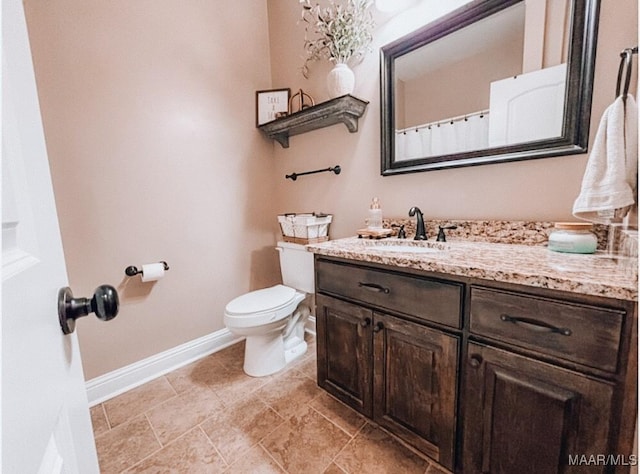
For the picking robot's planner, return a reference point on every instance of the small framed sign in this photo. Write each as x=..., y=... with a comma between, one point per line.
x=271, y=104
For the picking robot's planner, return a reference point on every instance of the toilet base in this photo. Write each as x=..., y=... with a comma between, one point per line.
x=269, y=347
x=298, y=349
x=263, y=355
x=266, y=354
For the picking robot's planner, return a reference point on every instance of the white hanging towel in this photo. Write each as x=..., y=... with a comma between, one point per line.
x=609, y=183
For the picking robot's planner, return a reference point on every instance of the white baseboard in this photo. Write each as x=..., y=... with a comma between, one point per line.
x=121, y=380
x=114, y=383
x=310, y=327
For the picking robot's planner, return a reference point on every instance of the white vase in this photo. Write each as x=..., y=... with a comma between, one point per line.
x=340, y=80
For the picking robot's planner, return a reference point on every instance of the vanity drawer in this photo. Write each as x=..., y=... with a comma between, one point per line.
x=423, y=298
x=584, y=334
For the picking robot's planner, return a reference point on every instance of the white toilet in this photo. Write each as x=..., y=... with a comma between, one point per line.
x=273, y=319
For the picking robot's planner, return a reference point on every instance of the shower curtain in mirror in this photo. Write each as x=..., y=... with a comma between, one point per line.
x=452, y=136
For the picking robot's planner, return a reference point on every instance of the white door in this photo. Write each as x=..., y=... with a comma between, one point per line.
x=46, y=426
x=528, y=107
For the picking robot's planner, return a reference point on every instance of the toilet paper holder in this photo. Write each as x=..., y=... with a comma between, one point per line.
x=133, y=271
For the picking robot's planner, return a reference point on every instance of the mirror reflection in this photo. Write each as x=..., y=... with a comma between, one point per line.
x=489, y=80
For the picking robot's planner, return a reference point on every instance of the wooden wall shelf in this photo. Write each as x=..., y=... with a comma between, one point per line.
x=346, y=109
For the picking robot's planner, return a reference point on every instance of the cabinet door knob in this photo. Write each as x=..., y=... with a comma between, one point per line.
x=378, y=327
x=475, y=361
x=365, y=322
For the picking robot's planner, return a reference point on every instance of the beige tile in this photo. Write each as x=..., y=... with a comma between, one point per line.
x=231, y=357
x=125, y=445
x=137, y=401
x=340, y=414
x=234, y=412
x=289, y=392
x=99, y=420
x=308, y=367
x=334, y=469
x=181, y=413
x=240, y=427
x=198, y=374
x=437, y=469
x=306, y=443
x=192, y=453
x=255, y=461
x=373, y=450
x=234, y=384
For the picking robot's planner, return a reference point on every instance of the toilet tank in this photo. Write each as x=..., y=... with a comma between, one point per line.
x=296, y=266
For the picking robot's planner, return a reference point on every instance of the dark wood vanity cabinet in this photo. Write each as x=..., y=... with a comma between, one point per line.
x=480, y=376
x=414, y=380
x=522, y=415
x=543, y=385
x=393, y=369
x=345, y=352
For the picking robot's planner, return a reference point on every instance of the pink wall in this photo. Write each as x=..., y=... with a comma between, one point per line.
x=149, y=116
x=148, y=109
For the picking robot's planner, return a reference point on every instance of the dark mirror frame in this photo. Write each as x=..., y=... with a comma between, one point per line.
x=577, y=108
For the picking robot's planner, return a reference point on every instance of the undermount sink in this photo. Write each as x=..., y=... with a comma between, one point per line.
x=405, y=247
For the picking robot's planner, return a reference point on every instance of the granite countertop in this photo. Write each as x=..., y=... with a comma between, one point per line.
x=598, y=274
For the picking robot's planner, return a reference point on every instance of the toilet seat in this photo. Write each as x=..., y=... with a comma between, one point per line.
x=261, y=306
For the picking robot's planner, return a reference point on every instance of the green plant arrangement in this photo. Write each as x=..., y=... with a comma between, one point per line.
x=340, y=32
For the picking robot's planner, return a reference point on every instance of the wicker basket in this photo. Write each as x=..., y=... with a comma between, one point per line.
x=308, y=228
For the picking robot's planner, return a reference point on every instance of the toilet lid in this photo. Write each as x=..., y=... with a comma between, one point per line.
x=259, y=301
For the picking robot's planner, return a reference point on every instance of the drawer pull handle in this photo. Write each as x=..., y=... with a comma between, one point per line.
x=374, y=287
x=365, y=322
x=475, y=361
x=378, y=327
x=535, y=325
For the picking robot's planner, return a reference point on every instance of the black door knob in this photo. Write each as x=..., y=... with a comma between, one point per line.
x=378, y=327
x=104, y=304
x=475, y=361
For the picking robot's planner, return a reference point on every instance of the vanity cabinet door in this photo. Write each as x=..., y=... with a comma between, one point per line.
x=524, y=416
x=345, y=358
x=415, y=373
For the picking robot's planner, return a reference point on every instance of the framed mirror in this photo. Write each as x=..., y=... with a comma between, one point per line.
x=493, y=81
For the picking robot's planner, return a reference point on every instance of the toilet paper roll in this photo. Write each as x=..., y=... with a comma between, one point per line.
x=152, y=271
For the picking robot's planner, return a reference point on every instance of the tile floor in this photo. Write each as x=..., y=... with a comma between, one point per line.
x=210, y=417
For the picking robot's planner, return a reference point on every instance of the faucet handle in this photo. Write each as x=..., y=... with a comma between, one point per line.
x=401, y=233
x=441, y=236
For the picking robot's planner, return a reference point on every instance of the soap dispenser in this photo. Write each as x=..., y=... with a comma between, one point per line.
x=375, y=215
